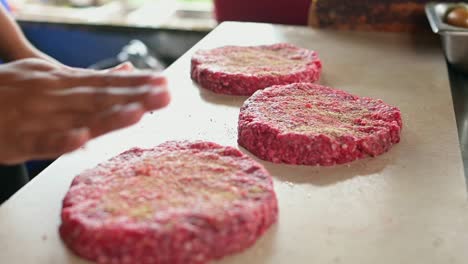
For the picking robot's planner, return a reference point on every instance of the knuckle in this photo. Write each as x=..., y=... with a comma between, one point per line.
x=49, y=81
x=142, y=79
x=38, y=64
x=65, y=76
x=100, y=79
x=35, y=84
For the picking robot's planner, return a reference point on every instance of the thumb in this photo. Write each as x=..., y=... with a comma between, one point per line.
x=126, y=66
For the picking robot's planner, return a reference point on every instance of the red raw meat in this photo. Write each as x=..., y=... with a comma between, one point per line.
x=238, y=70
x=310, y=124
x=179, y=203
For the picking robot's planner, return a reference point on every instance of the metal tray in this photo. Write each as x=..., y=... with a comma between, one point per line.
x=454, y=39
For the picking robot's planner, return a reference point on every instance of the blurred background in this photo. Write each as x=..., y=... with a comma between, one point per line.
x=82, y=33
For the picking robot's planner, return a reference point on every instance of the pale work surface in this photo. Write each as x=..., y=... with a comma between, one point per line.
x=407, y=206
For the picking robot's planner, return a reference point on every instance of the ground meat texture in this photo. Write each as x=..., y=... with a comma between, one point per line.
x=180, y=202
x=238, y=70
x=310, y=124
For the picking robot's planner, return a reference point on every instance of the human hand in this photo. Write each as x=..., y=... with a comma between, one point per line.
x=126, y=66
x=47, y=110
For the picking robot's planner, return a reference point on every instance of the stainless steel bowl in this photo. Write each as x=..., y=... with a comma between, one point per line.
x=454, y=39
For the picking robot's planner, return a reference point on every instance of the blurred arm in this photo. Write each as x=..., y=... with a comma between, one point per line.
x=13, y=44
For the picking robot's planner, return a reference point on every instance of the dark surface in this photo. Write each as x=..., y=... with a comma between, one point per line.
x=12, y=178
x=459, y=86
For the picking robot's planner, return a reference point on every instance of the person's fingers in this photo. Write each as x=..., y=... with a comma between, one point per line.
x=91, y=100
x=48, y=145
x=126, y=66
x=99, y=91
x=158, y=98
x=55, y=122
x=34, y=64
x=44, y=104
x=99, y=79
x=119, y=117
x=102, y=122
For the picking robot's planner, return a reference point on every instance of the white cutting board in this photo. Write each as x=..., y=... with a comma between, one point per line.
x=407, y=206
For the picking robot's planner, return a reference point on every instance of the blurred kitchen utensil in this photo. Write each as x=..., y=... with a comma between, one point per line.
x=454, y=39
x=135, y=52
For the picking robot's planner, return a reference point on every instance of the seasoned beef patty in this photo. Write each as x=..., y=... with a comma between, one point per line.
x=180, y=202
x=310, y=124
x=239, y=70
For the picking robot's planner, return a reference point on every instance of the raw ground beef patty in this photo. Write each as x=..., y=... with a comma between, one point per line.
x=239, y=70
x=311, y=124
x=180, y=202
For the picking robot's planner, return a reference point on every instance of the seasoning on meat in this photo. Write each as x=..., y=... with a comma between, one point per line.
x=236, y=70
x=310, y=124
x=179, y=203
